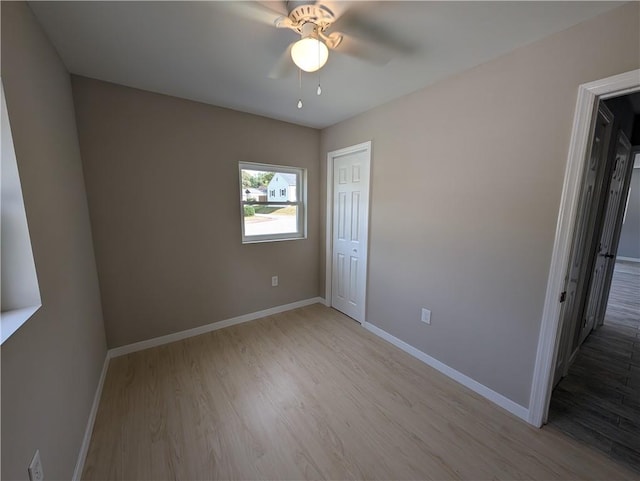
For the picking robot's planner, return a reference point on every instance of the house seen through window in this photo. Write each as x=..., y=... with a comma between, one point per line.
x=272, y=202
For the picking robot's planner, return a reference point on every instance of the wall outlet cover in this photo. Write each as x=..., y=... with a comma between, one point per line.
x=426, y=316
x=274, y=281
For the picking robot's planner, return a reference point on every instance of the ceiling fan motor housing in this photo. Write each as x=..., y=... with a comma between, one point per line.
x=309, y=30
x=319, y=15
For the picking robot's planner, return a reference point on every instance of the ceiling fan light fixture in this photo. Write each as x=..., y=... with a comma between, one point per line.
x=309, y=53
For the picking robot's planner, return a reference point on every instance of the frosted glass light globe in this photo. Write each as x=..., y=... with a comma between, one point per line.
x=310, y=54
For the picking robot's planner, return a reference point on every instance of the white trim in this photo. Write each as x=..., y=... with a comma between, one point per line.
x=549, y=338
x=84, y=448
x=615, y=86
x=214, y=326
x=627, y=259
x=12, y=320
x=301, y=203
x=505, y=403
x=366, y=147
x=328, y=230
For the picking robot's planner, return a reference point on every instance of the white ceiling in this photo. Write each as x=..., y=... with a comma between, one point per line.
x=206, y=51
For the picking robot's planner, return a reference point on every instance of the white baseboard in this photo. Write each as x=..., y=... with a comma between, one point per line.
x=627, y=259
x=84, y=448
x=214, y=326
x=491, y=395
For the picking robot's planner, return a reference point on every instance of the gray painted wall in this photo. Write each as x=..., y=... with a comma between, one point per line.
x=465, y=200
x=51, y=365
x=163, y=188
x=629, y=245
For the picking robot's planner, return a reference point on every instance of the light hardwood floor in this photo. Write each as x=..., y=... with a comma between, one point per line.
x=309, y=394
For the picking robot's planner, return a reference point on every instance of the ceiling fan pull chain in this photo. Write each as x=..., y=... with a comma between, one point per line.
x=319, y=91
x=300, y=88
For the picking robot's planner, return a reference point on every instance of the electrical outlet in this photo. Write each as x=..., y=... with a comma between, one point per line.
x=35, y=468
x=426, y=316
x=274, y=281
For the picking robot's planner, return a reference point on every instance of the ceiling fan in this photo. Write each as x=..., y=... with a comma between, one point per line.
x=317, y=23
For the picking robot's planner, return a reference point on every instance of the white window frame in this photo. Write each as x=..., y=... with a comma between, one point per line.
x=301, y=202
x=19, y=275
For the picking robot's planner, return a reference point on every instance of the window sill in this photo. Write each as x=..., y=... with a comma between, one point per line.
x=253, y=240
x=11, y=321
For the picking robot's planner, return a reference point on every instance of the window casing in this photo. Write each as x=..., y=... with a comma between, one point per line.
x=277, y=209
x=20, y=296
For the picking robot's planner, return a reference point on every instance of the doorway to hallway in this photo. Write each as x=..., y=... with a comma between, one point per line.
x=598, y=402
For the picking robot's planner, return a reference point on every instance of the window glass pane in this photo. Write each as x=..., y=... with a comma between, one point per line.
x=267, y=193
x=282, y=187
x=270, y=219
x=255, y=184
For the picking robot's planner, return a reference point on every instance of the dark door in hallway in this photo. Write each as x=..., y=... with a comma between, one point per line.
x=583, y=239
x=606, y=252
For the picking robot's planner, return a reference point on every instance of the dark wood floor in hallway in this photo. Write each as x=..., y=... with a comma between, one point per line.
x=599, y=401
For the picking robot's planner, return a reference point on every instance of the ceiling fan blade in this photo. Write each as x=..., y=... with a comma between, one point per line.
x=256, y=11
x=355, y=21
x=365, y=50
x=338, y=8
x=277, y=6
x=284, y=66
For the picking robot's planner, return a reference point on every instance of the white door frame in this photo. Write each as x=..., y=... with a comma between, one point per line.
x=363, y=147
x=586, y=106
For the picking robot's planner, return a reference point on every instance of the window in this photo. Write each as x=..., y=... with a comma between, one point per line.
x=277, y=210
x=20, y=296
